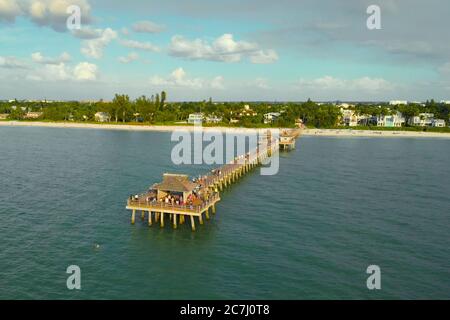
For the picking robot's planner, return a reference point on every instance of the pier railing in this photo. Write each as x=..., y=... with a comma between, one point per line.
x=142, y=202
x=227, y=169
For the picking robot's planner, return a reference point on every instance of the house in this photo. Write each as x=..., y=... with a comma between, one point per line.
x=33, y=115
x=398, y=102
x=271, y=117
x=247, y=112
x=24, y=109
x=364, y=119
x=3, y=116
x=438, y=123
x=422, y=120
x=213, y=119
x=195, y=118
x=390, y=121
x=349, y=117
x=102, y=117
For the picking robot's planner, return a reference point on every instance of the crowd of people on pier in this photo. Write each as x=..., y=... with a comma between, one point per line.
x=193, y=199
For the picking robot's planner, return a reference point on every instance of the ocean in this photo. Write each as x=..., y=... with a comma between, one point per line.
x=336, y=206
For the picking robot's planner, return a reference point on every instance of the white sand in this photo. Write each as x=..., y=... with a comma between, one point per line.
x=373, y=133
x=306, y=132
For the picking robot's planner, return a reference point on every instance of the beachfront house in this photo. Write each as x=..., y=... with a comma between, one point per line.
x=349, y=117
x=390, y=121
x=247, y=112
x=4, y=116
x=422, y=120
x=271, y=117
x=438, y=123
x=33, y=115
x=213, y=119
x=102, y=117
x=195, y=118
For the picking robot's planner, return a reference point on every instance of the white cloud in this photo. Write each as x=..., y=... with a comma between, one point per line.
x=11, y=63
x=132, y=56
x=178, y=78
x=51, y=13
x=83, y=71
x=264, y=57
x=261, y=83
x=329, y=82
x=87, y=33
x=9, y=10
x=147, y=46
x=364, y=87
x=39, y=58
x=444, y=69
x=217, y=83
x=94, y=48
x=147, y=27
x=224, y=49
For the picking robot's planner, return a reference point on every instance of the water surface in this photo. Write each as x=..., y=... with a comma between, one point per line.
x=336, y=206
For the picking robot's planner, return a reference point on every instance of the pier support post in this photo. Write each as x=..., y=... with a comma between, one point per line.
x=182, y=219
x=207, y=213
x=192, y=223
x=174, y=221
x=162, y=219
x=200, y=218
x=142, y=215
x=156, y=217
x=213, y=208
x=150, y=218
x=133, y=216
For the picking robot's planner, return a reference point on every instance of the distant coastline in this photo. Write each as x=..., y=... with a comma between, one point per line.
x=169, y=128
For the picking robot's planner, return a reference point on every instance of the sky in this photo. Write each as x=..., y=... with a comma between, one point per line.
x=246, y=50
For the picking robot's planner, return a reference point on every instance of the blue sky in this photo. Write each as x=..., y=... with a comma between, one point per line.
x=233, y=50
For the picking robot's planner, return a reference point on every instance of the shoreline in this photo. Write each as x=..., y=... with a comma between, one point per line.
x=170, y=128
x=373, y=133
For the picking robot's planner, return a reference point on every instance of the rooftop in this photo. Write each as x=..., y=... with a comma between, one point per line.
x=176, y=183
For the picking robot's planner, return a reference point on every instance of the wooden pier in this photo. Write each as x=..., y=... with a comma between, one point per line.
x=177, y=198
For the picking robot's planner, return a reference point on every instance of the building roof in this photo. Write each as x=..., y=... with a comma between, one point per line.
x=176, y=183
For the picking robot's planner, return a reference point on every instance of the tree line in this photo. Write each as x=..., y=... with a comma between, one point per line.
x=156, y=110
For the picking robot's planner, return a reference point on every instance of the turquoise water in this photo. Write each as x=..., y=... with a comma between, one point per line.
x=337, y=206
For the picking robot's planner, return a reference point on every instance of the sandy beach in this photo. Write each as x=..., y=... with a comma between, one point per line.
x=306, y=132
x=373, y=133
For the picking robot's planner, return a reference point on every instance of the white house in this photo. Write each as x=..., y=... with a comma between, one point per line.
x=196, y=118
x=349, y=117
x=102, y=117
x=398, y=102
x=271, y=117
x=213, y=119
x=390, y=121
x=33, y=115
x=422, y=120
x=438, y=123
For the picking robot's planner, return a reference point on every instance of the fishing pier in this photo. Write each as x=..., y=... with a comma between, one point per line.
x=177, y=198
